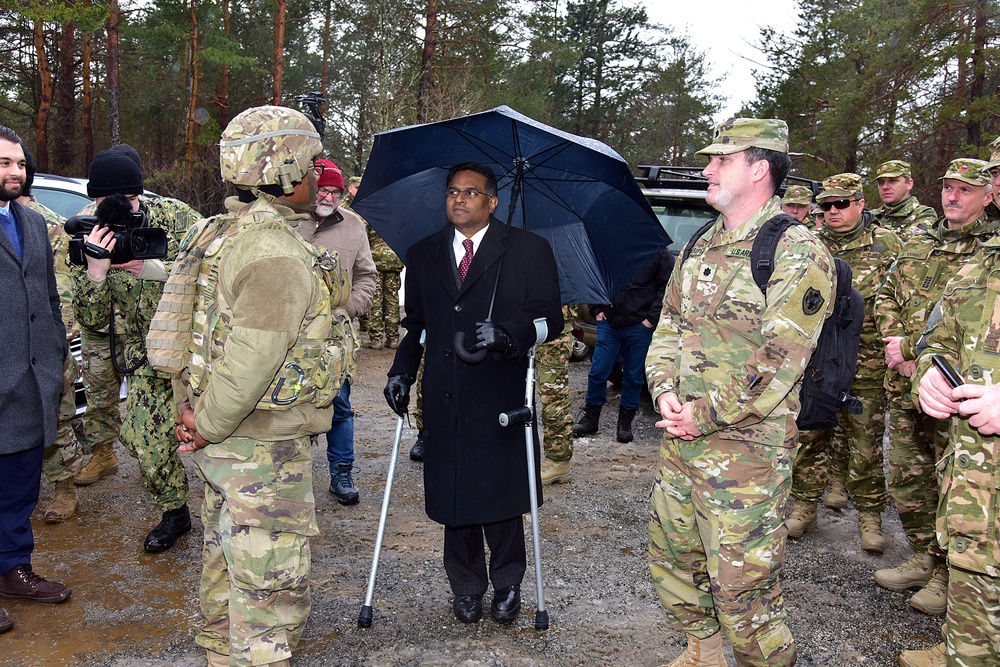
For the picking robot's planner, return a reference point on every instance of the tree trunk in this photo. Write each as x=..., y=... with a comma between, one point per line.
x=65, y=138
x=222, y=90
x=44, y=99
x=427, y=61
x=978, y=67
x=279, y=48
x=88, y=119
x=324, y=79
x=114, y=93
x=193, y=78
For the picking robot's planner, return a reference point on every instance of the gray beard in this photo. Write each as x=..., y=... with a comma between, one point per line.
x=325, y=210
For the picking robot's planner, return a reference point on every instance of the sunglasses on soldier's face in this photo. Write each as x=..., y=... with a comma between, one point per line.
x=839, y=204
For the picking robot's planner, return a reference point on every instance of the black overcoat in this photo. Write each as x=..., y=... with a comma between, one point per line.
x=475, y=471
x=33, y=338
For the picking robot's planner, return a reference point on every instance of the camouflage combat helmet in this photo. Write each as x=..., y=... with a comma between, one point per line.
x=268, y=145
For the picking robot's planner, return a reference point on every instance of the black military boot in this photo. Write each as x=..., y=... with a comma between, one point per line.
x=625, y=417
x=589, y=419
x=417, y=451
x=173, y=524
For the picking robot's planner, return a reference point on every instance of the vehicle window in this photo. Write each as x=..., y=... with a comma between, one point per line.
x=681, y=220
x=66, y=204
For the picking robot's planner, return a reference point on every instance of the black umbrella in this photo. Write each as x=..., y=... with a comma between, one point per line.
x=575, y=192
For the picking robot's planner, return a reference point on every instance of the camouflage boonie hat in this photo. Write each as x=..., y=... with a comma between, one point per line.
x=740, y=134
x=797, y=194
x=968, y=170
x=892, y=169
x=841, y=185
x=995, y=158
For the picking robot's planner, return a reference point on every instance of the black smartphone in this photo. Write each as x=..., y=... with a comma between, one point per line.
x=950, y=374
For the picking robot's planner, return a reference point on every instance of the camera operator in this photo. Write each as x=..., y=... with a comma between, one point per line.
x=133, y=290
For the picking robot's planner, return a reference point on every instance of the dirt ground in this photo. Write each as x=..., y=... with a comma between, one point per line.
x=132, y=609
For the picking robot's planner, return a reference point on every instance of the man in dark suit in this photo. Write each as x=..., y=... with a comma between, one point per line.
x=32, y=350
x=475, y=471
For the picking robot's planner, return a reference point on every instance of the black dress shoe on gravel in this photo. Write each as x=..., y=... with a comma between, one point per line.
x=173, y=524
x=468, y=608
x=417, y=451
x=506, y=604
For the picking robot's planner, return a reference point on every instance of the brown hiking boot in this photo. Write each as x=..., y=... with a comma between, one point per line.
x=802, y=518
x=932, y=599
x=702, y=653
x=555, y=471
x=21, y=582
x=102, y=464
x=913, y=573
x=936, y=656
x=870, y=527
x=836, y=497
x=64, y=502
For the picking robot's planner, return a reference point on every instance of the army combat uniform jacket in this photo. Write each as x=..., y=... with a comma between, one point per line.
x=907, y=218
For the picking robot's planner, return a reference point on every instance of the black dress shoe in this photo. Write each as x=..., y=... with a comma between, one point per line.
x=417, y=451
x=173, y=524
x=468, y=608
x=506, y=604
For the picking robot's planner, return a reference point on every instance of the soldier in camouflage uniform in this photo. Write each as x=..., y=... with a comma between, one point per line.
x=134, y=289
x=251, y=431
x=900, y=211
x=724, y=369
x=914, y=284
x=552, y=373
x=798, y=203
x=851, y=453
x=64, y=457
x=965, y=329
x=993, y=168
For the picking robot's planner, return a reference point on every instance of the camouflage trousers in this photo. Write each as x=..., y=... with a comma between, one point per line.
x=552, y=374
x=851, y=451
x=63, y=459
x=916, y=442
x=717, y=542
x=102, y=384
x=259, y=512
x=972, y=629
x=418, y=401
x=383, y=318
x=148, y=435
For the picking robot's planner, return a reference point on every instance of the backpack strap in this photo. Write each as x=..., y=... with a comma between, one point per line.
x=694, y=239
x=764, y=247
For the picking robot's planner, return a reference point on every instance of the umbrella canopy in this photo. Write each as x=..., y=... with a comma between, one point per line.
x=575, y=192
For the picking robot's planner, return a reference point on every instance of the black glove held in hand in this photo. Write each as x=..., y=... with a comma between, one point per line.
x=397, y=393
x=490, y=336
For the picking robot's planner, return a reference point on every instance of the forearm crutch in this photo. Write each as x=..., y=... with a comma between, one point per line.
x=365, y=617
x=526, y=415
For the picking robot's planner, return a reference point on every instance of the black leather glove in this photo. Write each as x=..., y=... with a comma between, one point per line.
x=490, y=336
x=397, y=393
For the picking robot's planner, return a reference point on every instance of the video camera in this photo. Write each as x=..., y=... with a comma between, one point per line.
x=133, y=240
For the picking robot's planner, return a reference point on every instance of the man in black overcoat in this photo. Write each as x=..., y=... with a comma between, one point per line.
x=475, y=471
x=32, y=349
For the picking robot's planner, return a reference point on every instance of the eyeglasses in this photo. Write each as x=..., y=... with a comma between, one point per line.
x=470, y=193
x=839, y=204
x=327, y=192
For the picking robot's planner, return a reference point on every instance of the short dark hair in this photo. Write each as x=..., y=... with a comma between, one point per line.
x=779, y=163
x=8, y=134
x=29, y=172
x=475, y=167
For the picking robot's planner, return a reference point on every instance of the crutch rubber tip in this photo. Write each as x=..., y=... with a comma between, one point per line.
x=365, y=617
x=541, y=620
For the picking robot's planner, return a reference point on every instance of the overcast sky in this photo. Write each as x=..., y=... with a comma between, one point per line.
x=726, y=31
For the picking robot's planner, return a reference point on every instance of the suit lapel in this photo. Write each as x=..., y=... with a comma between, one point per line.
x=442, y=261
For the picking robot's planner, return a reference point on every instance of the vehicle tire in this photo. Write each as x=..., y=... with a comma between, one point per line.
x=580, y=351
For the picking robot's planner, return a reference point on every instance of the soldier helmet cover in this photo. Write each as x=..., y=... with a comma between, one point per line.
x=268, y=145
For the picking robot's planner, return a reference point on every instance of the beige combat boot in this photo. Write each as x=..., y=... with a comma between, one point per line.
x=870, y=527
x=102, y=464
x=554, y=471
x=936, y=656
x=933, y=598
x=913, y=573
x=217, y=659
x=836, y=497
x=702, y=653
x=802, y=518
x=64, y=502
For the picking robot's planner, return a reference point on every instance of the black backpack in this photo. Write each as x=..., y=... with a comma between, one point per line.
x=826, y=384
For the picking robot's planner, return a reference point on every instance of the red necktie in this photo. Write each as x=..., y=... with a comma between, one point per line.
x=463, y=266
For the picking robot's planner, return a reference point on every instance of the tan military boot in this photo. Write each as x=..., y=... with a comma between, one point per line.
x=554, y=471
x=102, y=464
x=933, y=598
x=802, y=518
x=913, y=573
x=702, y=653
x=64, y=502
x=217, y=659
x=870, y=527
x=836, y=497
x=936, y=656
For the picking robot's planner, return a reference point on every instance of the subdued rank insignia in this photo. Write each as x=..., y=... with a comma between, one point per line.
x=812, y=301
x=991, y=341
x=706, y=273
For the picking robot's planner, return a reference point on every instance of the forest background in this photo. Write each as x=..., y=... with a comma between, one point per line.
x=859, y=81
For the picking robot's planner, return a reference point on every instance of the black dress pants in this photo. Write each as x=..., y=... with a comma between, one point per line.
x=465, y=557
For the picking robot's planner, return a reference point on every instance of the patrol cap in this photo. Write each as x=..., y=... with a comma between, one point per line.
x=739, y=134
x=995, y=158
x=968, y=170
x=892, y=169
x=841, y=185
x=797, y=194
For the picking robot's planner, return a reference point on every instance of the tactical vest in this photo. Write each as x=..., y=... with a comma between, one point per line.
x=192, y=322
